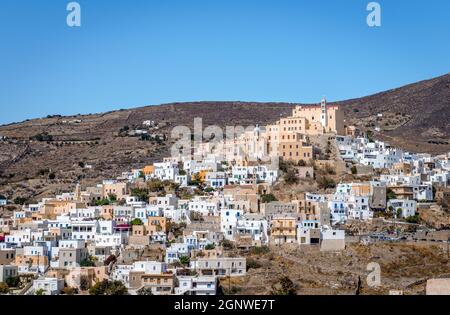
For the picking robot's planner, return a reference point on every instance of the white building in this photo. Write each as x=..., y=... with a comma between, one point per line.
x=253, y=225
x=84, y=230
x=207, y=206
x=407, y=208
x=165, y=171
x=150, y=267
x=176, y=251
x=196, y=285
x=50, y=286
x=228, y=222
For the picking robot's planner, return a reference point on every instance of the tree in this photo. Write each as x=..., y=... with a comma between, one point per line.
x=42, y=137
x=69, y=291
x=145, y=291
x=140, y=193
x=266, y=198
x=286, y=165
x=326, y=183
x=399, y=212
x=227, y=245
x=40, y=292
x=185, y=260
x=102, y=202
x=84, y=283
x=20, y=200
x=155, y=185
x=88, y=262
x=301, y=163
x=4, y=288
x=123, y=130
x=413, y=219
x=112, y=198
x=253, y=264
x=51, y=176
x=81, y=164
x=209, y=189
x=136, y=221
x=259, y=250
x=290, y=177
x=285, y=286
x=390, y=194
x=354, y=170
x=176, y=229
x=210, y=246
x=107, y=287
x=195, y=216
x=13, y=282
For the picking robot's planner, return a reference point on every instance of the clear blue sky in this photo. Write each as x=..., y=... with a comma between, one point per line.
x=143, y=52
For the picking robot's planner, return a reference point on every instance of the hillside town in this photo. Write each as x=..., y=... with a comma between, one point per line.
x=183, y=225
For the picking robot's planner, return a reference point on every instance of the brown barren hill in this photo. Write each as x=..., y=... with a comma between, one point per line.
x=47, y=155
x=37, y=149
x=415, y=117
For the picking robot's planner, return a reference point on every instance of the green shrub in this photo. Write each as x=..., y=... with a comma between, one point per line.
x=326, y=183
x=290, y=177
x=107, y=287
x=266, y=198
x=260, y=250
x=253, y=264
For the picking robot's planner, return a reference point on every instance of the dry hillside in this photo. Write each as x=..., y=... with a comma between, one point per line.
x=414, y=117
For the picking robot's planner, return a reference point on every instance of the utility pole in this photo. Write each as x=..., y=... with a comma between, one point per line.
x=38, y=271
x=448, y=254
x=229, y=281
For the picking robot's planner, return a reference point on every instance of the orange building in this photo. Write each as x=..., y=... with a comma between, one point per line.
x=156, y=224
x=53, y=208
x=149, y=170
x=295, y=151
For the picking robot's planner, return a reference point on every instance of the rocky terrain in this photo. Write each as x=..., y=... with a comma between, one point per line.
x=415, y=117
x=90, y=148
x=404, y=267
x=44, y=156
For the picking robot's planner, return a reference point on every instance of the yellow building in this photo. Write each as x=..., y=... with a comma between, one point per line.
x=307, y=209
x=107, y=212
x=119, y=189
x=32, y=262
x=53, y=208
x=160, y=284
x=295, y=151
x=91, y=275
x=201, y=176
x=361, y=189
x=283, y=229
x=401, y=168
x=318, y=119
x=307, y=120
